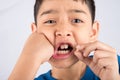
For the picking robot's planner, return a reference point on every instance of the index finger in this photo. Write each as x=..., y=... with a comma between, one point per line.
x=90, y=47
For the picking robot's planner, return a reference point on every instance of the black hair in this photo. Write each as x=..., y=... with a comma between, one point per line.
x=90, y=4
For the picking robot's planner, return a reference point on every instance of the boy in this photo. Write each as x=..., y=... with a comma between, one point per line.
x=64, y=34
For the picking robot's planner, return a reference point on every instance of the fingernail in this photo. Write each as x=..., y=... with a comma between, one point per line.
x=78, y=46
x=84, y=55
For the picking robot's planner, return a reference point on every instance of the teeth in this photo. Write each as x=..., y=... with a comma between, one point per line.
x=63, y=52
x=63, y=49
x=65, y=46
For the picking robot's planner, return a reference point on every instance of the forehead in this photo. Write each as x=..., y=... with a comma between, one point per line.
x=65, y=0
x=66, y=4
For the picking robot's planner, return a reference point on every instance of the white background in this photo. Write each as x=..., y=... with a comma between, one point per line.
x=17, y=15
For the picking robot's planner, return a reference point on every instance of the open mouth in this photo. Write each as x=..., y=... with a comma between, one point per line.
x=63, y=50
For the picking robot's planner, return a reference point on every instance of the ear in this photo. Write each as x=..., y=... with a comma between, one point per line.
x=33, y=27
x=94, y=32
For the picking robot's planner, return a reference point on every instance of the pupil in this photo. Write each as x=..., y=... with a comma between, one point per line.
x=76, y=20
x=50, y=21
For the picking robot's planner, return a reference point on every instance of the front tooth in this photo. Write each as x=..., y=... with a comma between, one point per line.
x=66, y=46
x=62, y=47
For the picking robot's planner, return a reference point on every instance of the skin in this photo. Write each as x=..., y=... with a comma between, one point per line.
x=67, y=21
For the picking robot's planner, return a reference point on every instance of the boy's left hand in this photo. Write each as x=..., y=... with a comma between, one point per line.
x=104, y=62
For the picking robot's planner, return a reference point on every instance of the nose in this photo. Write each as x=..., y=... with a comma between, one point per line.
x=63, y=33
x=64, y=29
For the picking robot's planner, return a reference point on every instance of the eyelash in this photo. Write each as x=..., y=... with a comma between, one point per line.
x=77, y=21
x=50, y=22
x=73, y=21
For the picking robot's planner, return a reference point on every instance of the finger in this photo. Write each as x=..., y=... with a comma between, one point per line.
x=78, y=52
x=96, y=46
x=102, y=46
x=107, y=63
x=104, y=64
x=81, y=47
x=86, y=60
x=79, y=55
x=103, y=54
x=86, y=49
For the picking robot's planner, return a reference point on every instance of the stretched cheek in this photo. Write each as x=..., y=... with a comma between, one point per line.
x=81, y=38
x=49, y=33
x=50, y=36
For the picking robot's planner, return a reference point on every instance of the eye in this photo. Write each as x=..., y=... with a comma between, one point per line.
x=50, y=22
x=76, y=21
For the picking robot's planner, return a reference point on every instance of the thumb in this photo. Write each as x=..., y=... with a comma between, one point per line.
x=79, y=55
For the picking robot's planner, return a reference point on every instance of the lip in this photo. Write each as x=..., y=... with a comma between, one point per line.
x=62, y=56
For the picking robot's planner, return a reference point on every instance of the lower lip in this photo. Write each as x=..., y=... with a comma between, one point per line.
x=61, y=56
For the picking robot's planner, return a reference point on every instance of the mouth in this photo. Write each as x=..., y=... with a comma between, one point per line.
x=63, y=51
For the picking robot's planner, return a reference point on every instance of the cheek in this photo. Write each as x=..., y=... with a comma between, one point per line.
x=49, y=33
x=82, y=37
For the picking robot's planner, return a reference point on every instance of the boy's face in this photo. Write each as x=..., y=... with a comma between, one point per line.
x=66, y=23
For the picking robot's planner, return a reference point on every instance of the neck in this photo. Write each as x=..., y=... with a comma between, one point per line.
x=73, y=73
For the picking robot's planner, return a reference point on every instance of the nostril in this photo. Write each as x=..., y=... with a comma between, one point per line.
x=68, y=34
x=58, y=34
x=63, y=33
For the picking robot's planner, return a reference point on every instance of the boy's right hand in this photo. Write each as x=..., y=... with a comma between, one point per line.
x=36, y=51
x=38, y=46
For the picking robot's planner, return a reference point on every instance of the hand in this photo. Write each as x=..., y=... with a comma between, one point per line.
x=36, y=51
x=38, y=45
x=104, y=61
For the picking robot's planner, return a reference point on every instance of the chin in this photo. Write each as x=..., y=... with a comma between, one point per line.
x=63, y=64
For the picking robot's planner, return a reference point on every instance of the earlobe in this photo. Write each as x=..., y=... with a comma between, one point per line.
x=95, y=31
x=33, y=27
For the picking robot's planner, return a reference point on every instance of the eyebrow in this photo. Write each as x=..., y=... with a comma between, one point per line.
x=55, y=11
x=49, y=12
x=77, y=11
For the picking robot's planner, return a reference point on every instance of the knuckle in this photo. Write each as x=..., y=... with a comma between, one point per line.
x=96, y=54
